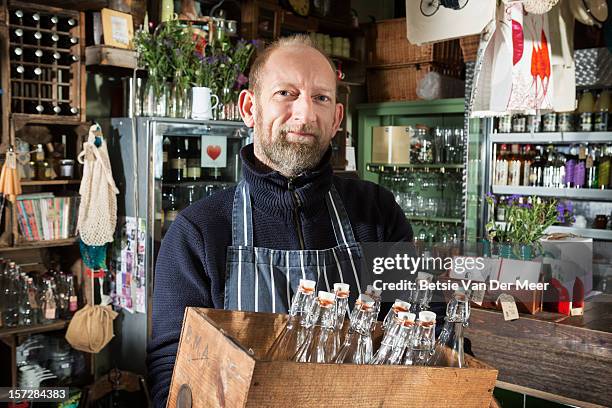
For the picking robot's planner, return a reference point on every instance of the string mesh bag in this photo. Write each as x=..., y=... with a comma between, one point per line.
x=98, y=207
x=539, y=6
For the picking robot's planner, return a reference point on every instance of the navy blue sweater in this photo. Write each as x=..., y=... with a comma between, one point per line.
x=190, y=269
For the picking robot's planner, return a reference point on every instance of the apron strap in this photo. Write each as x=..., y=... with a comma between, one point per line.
x=339, y=218
x=242, y=216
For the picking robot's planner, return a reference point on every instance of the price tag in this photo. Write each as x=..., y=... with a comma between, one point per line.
x=32, y=299
x=577, y=311
x=582, y=152
x=589, y=162
x=50, y=313
x=508, y=306
x=478, y=296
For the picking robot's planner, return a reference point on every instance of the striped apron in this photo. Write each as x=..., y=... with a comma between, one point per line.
x=264, y=280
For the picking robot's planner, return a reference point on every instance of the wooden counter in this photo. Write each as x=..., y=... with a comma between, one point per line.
x=566, y=356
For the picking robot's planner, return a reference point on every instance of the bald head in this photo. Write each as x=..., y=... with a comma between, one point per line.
x=291, y=104
x=301, y=44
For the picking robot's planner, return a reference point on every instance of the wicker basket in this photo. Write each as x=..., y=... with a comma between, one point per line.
x=469, y=47
x=400, y=83
x=387, y=44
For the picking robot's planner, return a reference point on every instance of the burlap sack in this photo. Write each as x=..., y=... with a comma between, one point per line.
x=91, y=328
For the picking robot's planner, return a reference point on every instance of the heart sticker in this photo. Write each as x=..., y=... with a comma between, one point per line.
x=213, y=151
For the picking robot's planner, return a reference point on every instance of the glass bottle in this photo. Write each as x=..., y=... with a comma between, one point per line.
x=448, y=351
x=33, y=297
x=194, y=160
x=49, y=302
x=166, y=146
x=375, y=295
x=11, y=296
x=26, y=312
x=514, y=166
x=398, y=306
x=501, y=166
x=357, y=346
x=421, y=296
x=421, y=344
x=41, y=165
x=72, y=295
x=602, y=112
x=586, y=107
x=319, y=344
x=342, y=291
x=178, y=162
x=171, y=212
x=604, y=167
x=394, y=342
x=591, y=166
x=527, y=162
x=294, y=333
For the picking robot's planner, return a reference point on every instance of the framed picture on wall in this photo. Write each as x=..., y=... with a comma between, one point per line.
x=117, y=28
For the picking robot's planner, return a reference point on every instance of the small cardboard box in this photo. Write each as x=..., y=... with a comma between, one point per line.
x=391, y=144
x=220, y=364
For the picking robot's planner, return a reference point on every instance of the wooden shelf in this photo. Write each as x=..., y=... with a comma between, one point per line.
x=41, y=244
x=24, y=118
x=343, y=59
x=38, y=328
x=48, y=182
x=434, y=219
x=103, y=55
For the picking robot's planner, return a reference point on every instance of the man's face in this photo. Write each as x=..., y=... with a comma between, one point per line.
x=295, y=110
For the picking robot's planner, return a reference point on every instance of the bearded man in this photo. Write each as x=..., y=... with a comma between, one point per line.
x=289, y=217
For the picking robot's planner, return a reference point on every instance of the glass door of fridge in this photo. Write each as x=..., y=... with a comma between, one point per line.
x=192, y=161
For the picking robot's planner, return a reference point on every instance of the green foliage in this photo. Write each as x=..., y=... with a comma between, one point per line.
x=174, y=51
x=525, y=222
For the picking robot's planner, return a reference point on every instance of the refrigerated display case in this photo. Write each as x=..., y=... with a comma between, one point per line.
x=155, y=164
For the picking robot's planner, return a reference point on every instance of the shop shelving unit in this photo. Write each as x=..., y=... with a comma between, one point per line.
x=62, y=84
x=591, y=197
x=444, y=113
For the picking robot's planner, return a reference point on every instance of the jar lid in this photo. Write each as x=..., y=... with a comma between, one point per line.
x=66, y=161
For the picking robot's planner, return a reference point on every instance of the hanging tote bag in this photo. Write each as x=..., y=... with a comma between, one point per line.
x=98, y=207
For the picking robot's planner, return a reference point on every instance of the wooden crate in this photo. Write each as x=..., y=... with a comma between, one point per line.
x=387, y=44
x=219, y=364
x=46, y=83
x=399, y=83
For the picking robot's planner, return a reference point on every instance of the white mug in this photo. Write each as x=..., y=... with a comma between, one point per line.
x=201, y=107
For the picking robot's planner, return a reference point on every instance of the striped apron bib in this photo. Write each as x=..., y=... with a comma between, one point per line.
x=264, y=280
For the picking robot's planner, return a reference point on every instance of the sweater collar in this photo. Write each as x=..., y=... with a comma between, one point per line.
x=274, y=193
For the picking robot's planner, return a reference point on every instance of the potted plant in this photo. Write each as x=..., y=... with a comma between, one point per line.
x=526, y=221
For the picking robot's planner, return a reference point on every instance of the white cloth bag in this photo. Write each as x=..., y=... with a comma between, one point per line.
x=98, y=207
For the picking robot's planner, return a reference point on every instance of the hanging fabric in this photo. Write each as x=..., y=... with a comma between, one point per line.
x=98, y=207
x=515, y=72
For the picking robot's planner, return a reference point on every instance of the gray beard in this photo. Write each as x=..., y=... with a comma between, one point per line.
x=289, y=159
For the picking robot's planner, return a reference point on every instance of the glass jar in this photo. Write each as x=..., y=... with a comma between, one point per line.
x=504, y=124
x=600, y=222
x=549, y=122
x=67, y=169
x=519, y=124
x=564, y=122
x=421, y=147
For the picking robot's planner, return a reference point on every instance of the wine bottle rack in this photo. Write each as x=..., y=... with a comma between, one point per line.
x=44, y=65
